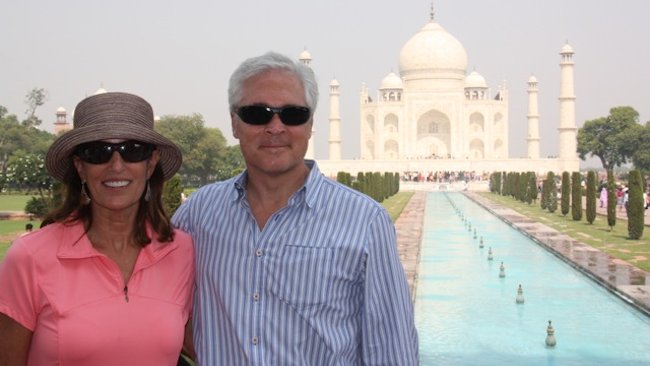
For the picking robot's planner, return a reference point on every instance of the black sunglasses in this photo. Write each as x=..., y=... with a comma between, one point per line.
x=100, y=152
x=262, y=114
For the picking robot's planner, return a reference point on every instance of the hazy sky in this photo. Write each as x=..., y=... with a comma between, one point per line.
x=180, y=54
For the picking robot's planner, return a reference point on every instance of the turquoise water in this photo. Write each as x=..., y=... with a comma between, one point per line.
x=467, y=315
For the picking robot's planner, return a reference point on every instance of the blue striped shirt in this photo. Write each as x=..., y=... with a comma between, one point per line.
x=320, y=284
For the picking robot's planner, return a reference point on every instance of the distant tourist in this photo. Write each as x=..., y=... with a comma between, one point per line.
x=603, y=197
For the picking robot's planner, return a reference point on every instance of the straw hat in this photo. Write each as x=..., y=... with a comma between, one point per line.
x=111, y=116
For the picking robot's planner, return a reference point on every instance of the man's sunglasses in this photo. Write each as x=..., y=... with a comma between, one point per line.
x=261, y=114
x=100, y=152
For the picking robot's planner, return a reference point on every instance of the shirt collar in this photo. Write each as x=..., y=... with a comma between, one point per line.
x=74, y=244
x=308, y=192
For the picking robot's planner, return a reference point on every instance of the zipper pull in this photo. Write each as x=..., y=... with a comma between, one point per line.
x=126, y=293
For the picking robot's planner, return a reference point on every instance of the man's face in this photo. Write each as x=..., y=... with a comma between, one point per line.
x=273, y=148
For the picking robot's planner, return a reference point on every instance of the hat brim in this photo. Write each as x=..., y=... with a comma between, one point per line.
x=59, y=157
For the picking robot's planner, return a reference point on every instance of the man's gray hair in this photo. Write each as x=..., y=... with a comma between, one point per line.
x=271, y=61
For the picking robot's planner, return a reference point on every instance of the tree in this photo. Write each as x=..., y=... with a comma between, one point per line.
x=523, y=187
x=205, y=155
x=233, y=163
x=566, y=193
x=27, y=171
x=16, y=137
x=576, y=196
x=591, y=197
x=635, y=206
x=608, y=138
x=34, y=99
x=205, y=160
x=171, y=195
x=641, y=155
x=545, y=192
x=532, y=188
x=551, y=204
x=611, y=200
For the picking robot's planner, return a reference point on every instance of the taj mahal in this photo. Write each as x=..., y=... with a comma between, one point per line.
x=435, y=116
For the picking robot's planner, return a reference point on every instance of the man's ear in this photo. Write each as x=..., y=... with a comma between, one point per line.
x=233, y=125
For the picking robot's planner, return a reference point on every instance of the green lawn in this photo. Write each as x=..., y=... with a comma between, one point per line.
x=13, y=202
x=597, y=235
x=10, y=230
x=396, y=203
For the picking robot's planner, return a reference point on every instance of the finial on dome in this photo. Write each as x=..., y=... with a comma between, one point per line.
x=432, y=13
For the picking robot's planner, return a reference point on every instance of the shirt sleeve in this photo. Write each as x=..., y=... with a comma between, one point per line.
x=180, y=219
x=389, y=334
x=18, y=286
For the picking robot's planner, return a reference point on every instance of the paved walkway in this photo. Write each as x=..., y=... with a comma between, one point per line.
x=409, y=236
x=618, y=276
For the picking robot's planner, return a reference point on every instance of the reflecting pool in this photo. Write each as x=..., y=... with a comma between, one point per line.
x=466, y=313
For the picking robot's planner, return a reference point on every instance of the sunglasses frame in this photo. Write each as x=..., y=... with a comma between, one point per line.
x=129, y=150
x=269, y=112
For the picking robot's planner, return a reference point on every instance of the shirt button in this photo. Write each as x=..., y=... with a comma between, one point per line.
x=259, y=252
x=254, y=340
x=256, y=296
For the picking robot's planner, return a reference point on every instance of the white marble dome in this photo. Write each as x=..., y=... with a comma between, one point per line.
x=305, y=55
x=475, y=80
x=60, y=110
x=532, y=79
x=391, y=81
x=567, y=48
x=432, y=49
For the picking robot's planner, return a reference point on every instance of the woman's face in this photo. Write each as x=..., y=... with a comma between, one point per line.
x=115, y=185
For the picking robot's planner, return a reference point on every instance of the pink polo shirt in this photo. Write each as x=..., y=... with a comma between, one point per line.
x=81, y=312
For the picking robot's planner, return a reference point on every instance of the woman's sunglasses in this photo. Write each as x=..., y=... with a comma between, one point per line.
x=100, y=152
x=261, y=114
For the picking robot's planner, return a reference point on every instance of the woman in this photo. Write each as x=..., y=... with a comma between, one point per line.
x=107, y=280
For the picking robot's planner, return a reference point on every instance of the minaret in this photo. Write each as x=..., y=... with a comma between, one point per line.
x=335, y=122
x=305, y=58
x=533, y=119
x=567, y=99
x=61, y=124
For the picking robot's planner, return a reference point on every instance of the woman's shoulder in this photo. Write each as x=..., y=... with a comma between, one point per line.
x=182, y=237
x=40, y=243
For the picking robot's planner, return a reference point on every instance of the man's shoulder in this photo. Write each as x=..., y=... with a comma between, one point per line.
x=213, y=190
x=346, y=194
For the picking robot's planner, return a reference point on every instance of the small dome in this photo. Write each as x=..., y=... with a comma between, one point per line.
x=305, y=55
x=334, y=82
x=101, y=91
x=432, y=50
x=567, y=49
x=532, y=79
x=475, y=80
x=391, y=81
x=60, y=110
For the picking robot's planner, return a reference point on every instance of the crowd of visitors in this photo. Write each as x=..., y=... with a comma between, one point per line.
x=443, y=176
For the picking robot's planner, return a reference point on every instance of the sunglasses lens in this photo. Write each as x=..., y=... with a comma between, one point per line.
x=99, y=152
x=94, y=153
x=294, y=116
x=255, y=114
x=261, y=115
x=134, y=151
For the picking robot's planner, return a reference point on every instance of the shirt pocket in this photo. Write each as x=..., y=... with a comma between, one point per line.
x=302, y=276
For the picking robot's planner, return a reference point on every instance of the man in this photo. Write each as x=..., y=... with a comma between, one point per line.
x=292, y=268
